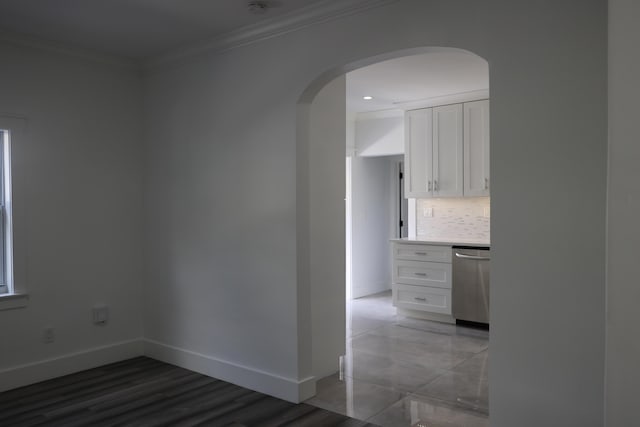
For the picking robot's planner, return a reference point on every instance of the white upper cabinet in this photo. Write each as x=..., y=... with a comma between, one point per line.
x=433, y=152
x=447, y=151
x=418, y=153
x=476, y=148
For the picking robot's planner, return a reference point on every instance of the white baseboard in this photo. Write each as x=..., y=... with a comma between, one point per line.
x=370, y=290
x=21, y=375
x=264, y=382
x=285, y=388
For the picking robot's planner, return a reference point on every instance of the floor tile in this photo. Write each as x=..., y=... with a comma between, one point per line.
x=435, y=352
x=369, y=313
x=460, y=390
x=401, y=370
x=361, y=325
x=467, y=385
x=415, y=411
x=440, y=340
x=353, y=398
x=477, y=365
x=398, y=374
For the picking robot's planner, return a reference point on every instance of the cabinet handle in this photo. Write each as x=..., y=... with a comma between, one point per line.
x=420, y=253
x=429, y=185
x=420, y=299
x=486, y=183
x=421, y=274
x=435, y=185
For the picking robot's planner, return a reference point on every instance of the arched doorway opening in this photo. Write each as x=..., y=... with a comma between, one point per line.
x=323, y=259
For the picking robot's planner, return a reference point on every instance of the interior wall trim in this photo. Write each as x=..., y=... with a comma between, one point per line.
x=320, y=11
x=288, y=389
x=30, y=373
x=454, y=98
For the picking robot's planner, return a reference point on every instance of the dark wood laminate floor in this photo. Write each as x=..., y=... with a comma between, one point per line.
x=145, y=392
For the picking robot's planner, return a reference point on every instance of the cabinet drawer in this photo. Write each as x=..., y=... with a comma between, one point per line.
x=432, y=253
x=435, y=300
x=435, y=274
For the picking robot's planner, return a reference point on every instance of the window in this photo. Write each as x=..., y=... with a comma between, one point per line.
x=13, y=292
x=6, y=273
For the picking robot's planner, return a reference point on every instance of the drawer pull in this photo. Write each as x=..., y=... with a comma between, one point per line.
x=420, y=253
x=421, y=274
x=420, y=299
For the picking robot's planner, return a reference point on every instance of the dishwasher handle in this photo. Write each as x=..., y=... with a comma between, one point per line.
x=474, y=257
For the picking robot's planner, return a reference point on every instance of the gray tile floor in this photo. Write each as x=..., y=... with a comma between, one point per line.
x=402, y=371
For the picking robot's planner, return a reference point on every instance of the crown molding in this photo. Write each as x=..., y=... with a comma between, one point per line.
x=380, y=114
x=399, y=108
x=454, y=98
x=65, y=49
x=321, y=11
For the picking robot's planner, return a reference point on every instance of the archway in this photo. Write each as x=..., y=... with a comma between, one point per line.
x=320, y=218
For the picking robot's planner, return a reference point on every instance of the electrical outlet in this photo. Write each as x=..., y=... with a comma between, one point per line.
x=427, y=212
x=487, y=212
x=100, y=314
x=48, y=335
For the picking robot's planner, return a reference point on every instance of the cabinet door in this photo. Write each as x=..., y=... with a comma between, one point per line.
x=447, y=151
x=476, y=148
x=418, y=153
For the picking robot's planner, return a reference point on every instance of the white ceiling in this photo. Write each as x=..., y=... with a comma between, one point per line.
x=135, y=28
x=142, y=29
x=415, y=78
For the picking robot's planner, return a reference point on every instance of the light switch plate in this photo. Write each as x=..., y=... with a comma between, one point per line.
x=427, y=212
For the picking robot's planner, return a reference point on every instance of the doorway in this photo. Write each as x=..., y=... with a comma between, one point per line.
x=383, y=130
x=402, y=204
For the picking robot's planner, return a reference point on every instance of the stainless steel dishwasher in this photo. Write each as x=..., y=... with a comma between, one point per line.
x=470, y=287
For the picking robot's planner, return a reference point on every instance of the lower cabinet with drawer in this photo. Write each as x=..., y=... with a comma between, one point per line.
x=422, y=273
x=435, y=300
x=422, y=280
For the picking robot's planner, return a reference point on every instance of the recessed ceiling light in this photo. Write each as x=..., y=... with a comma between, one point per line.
x=367, y=98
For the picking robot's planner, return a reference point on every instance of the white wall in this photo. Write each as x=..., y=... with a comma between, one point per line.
x=623, y=292
x=79, y=226
x=226, y=219
x=327, y=225
x=372, y=204
x=548, y=143
x=380, y=133
x=221, y=219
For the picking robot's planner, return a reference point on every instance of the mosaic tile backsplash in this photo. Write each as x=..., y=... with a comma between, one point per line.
x=463, y=218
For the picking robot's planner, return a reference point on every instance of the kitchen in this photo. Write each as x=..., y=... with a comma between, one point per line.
x=417, y=186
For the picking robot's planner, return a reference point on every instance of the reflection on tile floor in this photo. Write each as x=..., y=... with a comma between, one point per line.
x=403, y=371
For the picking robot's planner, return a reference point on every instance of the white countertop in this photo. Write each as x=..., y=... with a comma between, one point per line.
x=445, y=242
